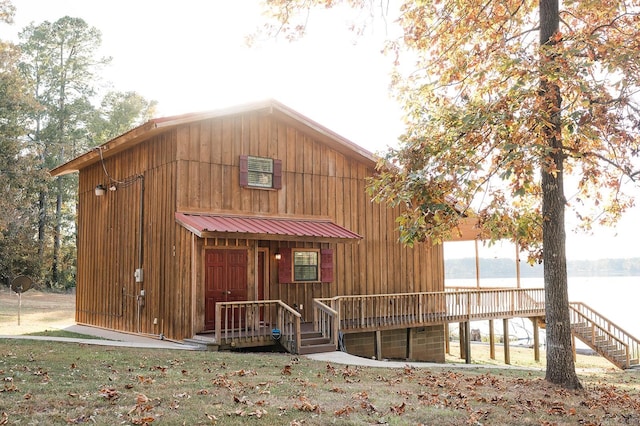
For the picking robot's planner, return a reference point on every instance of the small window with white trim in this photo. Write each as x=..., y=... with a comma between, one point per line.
x=306, y=265
x=260, y=172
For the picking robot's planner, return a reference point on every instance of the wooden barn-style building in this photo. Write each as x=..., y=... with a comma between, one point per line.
x=182, y=217
x=251, y=226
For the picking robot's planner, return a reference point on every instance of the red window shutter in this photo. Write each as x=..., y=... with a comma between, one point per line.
x=284, y=266
x=326, y=265
x=277, y=174
x=244, y=170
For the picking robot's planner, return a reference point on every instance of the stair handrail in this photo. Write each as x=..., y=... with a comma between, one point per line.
x=288, y=322
x=627, y=337
x=627, y=342
x=326, y=320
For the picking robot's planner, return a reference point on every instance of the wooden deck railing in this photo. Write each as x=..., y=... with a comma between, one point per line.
x=375, y=312
x=253, y=323
x=601, y=327
x=325, y=320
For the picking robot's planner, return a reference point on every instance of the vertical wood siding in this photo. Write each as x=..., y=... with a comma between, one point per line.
x=195, y=168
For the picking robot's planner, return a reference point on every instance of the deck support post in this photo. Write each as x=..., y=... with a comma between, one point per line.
x=505, y=331
x=492, y=341
x=378, y=345
x=462, y=340
x=573, y=347
x=467, y=342
x=536, y=340
x=447, y=347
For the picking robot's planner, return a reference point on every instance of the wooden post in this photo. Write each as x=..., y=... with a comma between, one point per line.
x=477, y=265
x=505, y=331
x=536, y=340
x=467, y=343
x=492, y=341
x=573, y=347
x=447, y=347
x=378, y=345
x=517, y=265
x=462, y=339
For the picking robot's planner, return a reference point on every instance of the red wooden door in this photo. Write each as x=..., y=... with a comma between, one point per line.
x=225, y=281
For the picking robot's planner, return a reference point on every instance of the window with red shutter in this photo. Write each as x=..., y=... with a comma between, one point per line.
x=326, y=265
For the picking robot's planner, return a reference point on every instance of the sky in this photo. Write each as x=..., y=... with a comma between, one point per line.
x=191, y=56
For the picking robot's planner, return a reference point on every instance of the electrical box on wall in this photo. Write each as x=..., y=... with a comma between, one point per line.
x=138, y=274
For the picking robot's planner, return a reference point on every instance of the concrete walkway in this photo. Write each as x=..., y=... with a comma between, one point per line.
x=109, y=338
x=118, y=339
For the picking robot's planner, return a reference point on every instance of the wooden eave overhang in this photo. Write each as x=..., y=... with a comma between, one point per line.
x=468, y=229
x=159, y=125
x=265, y=228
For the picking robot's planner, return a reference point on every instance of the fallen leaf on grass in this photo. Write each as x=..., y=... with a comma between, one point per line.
x=286, y=371
x=243, y=373
x=241, y=400
x=143, y=421
x=4, y=418
x=81, y=419
x=146, y=380
x=109, y=393
x=398, y=409
x=557, y=408
x=307, y=406
x=344, y=411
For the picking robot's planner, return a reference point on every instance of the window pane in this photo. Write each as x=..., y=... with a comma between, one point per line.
x=259, y=164
x=305, y=266
x=260, y=172
x=263, y=180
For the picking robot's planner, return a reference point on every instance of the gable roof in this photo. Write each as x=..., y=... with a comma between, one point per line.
x=159, y=125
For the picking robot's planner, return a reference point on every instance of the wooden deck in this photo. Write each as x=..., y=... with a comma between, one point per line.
x=246, y=324
x=263, y=323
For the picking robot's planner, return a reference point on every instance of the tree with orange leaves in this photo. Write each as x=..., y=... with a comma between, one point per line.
x=506, y=99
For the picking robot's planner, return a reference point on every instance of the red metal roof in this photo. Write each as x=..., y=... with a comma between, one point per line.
x=265, y=227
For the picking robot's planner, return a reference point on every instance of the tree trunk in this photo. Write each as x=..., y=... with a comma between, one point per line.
x=560, y=365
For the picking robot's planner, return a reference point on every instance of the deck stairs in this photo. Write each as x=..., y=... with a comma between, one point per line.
x=604, y=336
x=312, y=342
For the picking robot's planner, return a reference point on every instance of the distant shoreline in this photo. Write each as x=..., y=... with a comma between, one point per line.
x=465, y=268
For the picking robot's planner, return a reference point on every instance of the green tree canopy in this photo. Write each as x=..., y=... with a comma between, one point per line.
x=18, y=175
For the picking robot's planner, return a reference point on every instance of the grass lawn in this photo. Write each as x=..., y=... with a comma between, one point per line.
x=69, y=383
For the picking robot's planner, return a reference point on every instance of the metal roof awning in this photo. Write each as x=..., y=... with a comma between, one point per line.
x=265, y=228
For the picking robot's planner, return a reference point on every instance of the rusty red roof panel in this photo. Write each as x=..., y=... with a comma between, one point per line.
x=265, y=225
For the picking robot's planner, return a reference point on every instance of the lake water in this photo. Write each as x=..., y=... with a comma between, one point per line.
x=617, y=298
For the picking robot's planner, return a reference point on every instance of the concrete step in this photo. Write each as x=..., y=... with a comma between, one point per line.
x=203, y=344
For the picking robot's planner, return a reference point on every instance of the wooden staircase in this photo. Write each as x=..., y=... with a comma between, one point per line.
x=312, y=342
x=604, y=337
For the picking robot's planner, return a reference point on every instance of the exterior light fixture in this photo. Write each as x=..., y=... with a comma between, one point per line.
x=278, y=256
x=100, y=190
